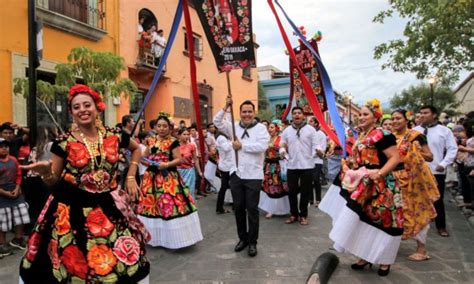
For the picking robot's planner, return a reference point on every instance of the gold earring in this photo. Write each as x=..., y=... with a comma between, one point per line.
x=99, y=124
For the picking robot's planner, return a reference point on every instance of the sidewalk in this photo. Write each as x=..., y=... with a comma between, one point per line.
x=287, y=252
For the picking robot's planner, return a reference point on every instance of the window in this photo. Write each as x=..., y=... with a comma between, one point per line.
x=83, y=17
x=137, y=102
x=247, y=73
x=197, y=40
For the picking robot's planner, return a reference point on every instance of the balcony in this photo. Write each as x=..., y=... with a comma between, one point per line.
x=86, y=18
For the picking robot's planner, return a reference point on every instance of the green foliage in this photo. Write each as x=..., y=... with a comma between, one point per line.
x=99, y=70
x=416, y=96
x=265, y=114
x=438, y=38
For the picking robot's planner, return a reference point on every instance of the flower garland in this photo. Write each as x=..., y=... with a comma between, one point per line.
x=84, y=89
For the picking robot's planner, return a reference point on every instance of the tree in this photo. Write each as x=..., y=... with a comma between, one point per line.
x=263, y=105
x=99, y=70
x=438, y=39
x=416, y=96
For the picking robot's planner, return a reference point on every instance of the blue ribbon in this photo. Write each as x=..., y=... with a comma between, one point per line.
x=330, y=97
x=164, y=57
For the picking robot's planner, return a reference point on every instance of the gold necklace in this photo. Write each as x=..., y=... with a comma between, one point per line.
x=90, y=150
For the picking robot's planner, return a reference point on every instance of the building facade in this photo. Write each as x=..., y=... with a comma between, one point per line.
x=66, y=24
x=465, y=94
x=173, y=92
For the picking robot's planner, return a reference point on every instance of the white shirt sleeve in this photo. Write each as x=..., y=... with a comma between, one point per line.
x=223, y=125
x=223, y=144
x=451, y=150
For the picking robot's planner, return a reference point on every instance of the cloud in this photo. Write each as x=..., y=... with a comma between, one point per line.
x=349, y=38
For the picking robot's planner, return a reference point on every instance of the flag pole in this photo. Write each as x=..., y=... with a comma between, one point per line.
x=229, y=94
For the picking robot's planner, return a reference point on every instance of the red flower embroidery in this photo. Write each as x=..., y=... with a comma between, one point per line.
x=180, y=203
x=33, y=245
x=111, y=146
x=148, y=205
x=386, y=218
x=98, y=224
x=127, y=250
x=53, y=253
x=78, y=156
x=74, y=261
x=101, y=259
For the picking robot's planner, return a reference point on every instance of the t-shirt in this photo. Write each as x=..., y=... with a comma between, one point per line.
x=10, y=176
x=187, y=152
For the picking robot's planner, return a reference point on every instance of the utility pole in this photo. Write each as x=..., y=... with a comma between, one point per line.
x=32, y=65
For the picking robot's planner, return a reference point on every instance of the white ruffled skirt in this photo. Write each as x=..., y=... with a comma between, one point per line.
x=352, y=235
x=275, y=206
x=175, y=233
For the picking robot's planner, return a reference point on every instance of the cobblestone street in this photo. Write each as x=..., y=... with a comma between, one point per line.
x=287, y=252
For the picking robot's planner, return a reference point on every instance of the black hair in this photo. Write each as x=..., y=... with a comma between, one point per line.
x=257, y=119
x=210, y=124
x=46, y=133
x=401, y=111
x=181, y=130
x=264, y=120
x=6, y=126
x=165, y=118
x=152, y=123
x=247, y=102
x=297, y=108
x=192, y=126
x=142, y=136
x=126, y=119
x=430, y=107
x=315, y=120
x=468, y=125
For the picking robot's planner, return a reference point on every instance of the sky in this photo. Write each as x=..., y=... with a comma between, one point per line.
x=349, y=38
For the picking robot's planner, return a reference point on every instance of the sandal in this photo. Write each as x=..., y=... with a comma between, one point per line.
x=443, y=233
x=303, y=221
x=316, y=204
x=418, y=257
x=291, y=220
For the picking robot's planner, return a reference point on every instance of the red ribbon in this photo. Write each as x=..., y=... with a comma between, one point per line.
x=308, y=90
x=194, y=88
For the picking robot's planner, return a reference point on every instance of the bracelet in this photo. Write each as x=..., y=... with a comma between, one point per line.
x=134, y=163
x=166, y=165
x=130, y=177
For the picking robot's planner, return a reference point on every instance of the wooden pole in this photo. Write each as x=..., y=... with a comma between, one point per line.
x=229, y=94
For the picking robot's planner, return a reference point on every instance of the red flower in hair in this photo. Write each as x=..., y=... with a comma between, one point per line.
x=84, y=89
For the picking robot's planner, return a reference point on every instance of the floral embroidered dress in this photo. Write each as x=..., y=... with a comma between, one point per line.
x=166, y=206
x=87, y=232
x=418, y=185
x=274, y=194
x=367, y=216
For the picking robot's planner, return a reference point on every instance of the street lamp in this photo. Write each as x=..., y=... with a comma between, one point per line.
x=432, y=81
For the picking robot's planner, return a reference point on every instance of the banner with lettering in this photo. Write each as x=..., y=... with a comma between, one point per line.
x=228, y=28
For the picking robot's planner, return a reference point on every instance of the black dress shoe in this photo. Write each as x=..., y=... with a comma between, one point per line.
x=252, y=250
x=240, y=246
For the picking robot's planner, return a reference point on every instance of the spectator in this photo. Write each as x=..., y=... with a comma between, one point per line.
x=7, y=131
x=158, y=45
x=13, y=208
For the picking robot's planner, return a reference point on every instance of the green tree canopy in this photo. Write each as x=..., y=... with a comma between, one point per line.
x=99, y=70
x=263, y=102
x=438, y=38
x=416, y=96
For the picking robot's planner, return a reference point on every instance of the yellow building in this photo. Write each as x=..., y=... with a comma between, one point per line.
x=173, y=93
x=67, y=24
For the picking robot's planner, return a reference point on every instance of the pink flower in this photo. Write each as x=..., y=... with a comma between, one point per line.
x=127, y=250
x=166, y=204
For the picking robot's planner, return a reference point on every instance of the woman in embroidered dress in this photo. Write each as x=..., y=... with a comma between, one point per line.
x=365, y=203
x=190, y=163
x=274, y=194
x=418, y=185
x=87, y=231
x=166, y=206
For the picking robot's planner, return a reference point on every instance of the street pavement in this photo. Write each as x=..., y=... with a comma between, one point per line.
x=287, y=252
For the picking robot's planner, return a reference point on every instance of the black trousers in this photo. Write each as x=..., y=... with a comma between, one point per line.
x=299, y=181
x=317, y=172
x=221, y=195
x=246, y=195
x=440, y=219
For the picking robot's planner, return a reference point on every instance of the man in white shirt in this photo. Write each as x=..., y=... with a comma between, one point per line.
x=299, y=143
x=159, y=44
x=443, y=145
x=318, y=161
x=224, y=148
x=246, y=176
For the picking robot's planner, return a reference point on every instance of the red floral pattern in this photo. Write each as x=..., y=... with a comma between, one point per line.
x=78, y=156
x=101, y=259
x=62, y=224
x=98, y=224
x=53, y=253
x=32, y=247
x=74, y=261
